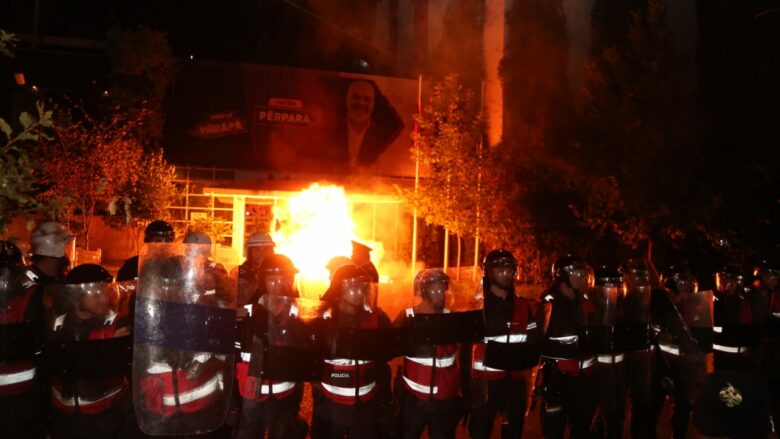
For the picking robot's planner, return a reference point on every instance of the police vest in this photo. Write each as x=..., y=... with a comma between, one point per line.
x=566, y=344
x=517, y=333
x=167, y=394
x=731, y=332
x=17, y=377
x=86, y=395
x=435, y=377
x=347, y=380
x=256, y=389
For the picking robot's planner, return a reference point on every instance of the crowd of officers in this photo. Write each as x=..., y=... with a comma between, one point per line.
x=85, y=355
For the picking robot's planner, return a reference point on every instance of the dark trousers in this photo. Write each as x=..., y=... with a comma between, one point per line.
x=567, y=400
x=417, y=414
x=610, y=386
x=20, y=416
x=278, y=417
x=336, y=421
x=640, y=372
x=687, y=372
x=506, y=397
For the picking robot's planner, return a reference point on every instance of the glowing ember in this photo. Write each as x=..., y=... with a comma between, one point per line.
x=311, y=228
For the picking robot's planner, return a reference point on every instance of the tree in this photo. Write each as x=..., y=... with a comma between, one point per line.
x=88, y=162
x=146, y=195
x=18, y=180
x=641, y=182
x=449, y=140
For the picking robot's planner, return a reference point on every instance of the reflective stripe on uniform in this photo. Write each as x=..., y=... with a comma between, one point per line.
x=669, y=349
x=420, y=387
x=440, y=362
x=730, y=349
x=346, y=362
x=156, y=368
x=718, y=329
x=512, y=338
x=197, y=393
x=566, y=339
x=8, y=379
x=611, y=359
x=276, y=388
x=348, y=391
x=83, y=403
x=480, y=366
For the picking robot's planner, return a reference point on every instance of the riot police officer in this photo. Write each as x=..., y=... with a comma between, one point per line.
x=258, y=246
x=732, y=330
x=350, y=398
x=184, y=340
x=610, y=375
x=683, y=316
x=765, y=300
x=272, y=405
x=89, y=356
x=156, y=231
x=568, y=361
x=19, y=411
x=431, y=378
x=510, y=329
x=635, y=340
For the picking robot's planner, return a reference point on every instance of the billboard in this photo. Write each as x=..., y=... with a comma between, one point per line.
x=291, y=120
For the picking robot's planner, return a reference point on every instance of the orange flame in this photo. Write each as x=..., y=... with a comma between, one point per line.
x=312, y=227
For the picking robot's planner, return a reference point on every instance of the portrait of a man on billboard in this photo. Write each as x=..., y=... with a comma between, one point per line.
x=369, y=124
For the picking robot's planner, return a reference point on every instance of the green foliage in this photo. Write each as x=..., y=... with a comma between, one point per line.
x=18, y=181
x=7, y=42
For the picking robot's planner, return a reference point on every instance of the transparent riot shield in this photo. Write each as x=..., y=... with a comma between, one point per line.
x=353, y=327
x=441, y=313
x=17, y=340
x=284, y=343
x=602, y=326
x=518, y=346
x=89, y=349
x=183, y=341
x=634, y=319
x=697, y=312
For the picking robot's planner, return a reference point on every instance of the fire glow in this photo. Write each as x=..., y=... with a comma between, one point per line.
x=312, y=227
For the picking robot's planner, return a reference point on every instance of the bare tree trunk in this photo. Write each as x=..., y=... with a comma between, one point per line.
x=457, y=276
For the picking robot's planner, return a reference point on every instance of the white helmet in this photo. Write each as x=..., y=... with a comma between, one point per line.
x=50, y=239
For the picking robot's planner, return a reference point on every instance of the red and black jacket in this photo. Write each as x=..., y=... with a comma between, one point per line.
x=567, y=343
